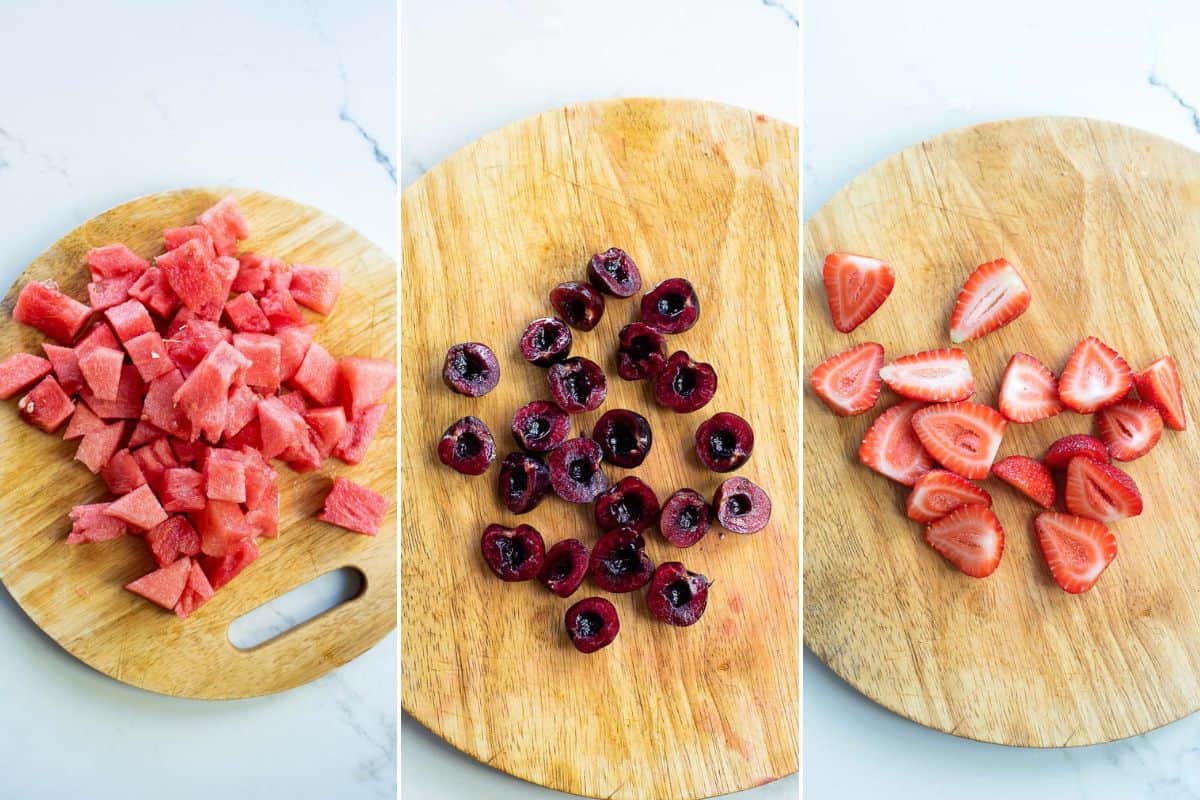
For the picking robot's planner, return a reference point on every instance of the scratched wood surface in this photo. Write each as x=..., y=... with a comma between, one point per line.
x=75, y=594
x=1103, y=222
x=689, y=189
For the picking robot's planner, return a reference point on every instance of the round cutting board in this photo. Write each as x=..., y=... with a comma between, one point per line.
x=688, y=189
x=1103, y=222
x=75, y=594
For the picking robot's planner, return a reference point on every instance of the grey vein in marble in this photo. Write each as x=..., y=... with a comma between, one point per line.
x=48, y=164
x=381, y=156
x=786, y=11
x=1159, y=83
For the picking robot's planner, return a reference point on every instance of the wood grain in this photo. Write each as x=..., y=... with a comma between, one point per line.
x=1103, y=222
x=688, y=188
x=75, y=594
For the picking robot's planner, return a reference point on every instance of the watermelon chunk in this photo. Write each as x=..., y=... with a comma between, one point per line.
x=164, y=585
x=352, y=448
x=129, y=319
x=225, y=479
x=281, y=428
x=149, y=354
x=96, y=448
x=253, y=271
x=226, y=224
x=66, y=367
x=109, y=292
x=114, y=260
x=99, y=335
x=187, y=452
x=195, y=278
x=41, y=305
x=353, y=507
x=89, y=523
x=101, y=370
x=139, y=509
x=222, y=527
x=240, y=409
x=83, y=422
x=204, y=395
x=303, y=455
x=46, y=406
x=249, y=436
x=154, y=292
x=144, y=433
x=260, y=481
x=182, y=490
x=327, y=426
x=222, y=569
x=193, y=340
x=122, y=473
x=173, y=237
x=263, y=352
x=20, y=371
x=293, y=345
x=265, y=519
x=128, y=403
x=155, y=459
x=280, y=308
x=317, y=376
x=159, y=408
x=294, y=401
x=364, y=382
x=172, y=539
x=196, y=592
x=244, y=313
x=315, y=287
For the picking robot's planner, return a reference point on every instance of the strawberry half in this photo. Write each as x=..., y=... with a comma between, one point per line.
x=1129, y=429
x=1158, y=384
x=938, y=492
x=856, y=286
x=962, y=437
x=1077, y=444
x=993, y=296
x=1095, y=376
x=1027, y=476
x=1076, y=549
x=849, y=382
x=1028, y=390
x=970, y=538
x=1100, y=492
x=892, y=449
x=935, y=376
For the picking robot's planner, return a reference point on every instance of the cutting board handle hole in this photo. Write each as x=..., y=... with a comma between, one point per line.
x=289, y=611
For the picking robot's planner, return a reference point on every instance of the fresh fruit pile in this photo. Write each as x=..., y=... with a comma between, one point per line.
x=175, y=391
x=937, y=423
x=550, y=460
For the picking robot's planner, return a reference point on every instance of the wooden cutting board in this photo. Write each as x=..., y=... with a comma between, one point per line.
x=689, y=189
x=1103, y=222
x=75, y=594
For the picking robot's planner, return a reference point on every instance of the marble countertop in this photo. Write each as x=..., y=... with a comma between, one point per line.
x=128, y=98
x=468, y=68
x=919, y=69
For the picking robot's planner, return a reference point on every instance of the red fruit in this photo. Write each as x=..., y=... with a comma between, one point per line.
x=139, y=509
x=684, y=385
x=513, y=554
x=89, y=523
x=565, y=567
x=970, y=538
x=891, y=447
x=613, y=272
x=962, y=437
x=97, y=448
x=935, y=376
x=1158, y=385
x=848, y=383
x=317, y=376
x=1076, y=549
x=83, y=422
x=360, y=432
x=353, y=507
x=101, y=369
x=1077, y=444
x=46, y=406
x=938, y=492
x=592, y=623
x=42, y=306
x=1129, y=429
x=196, y=592
x=220, y=570
x=677, y=596
x=164, y=585
x=363, y=382
x=629, y=503
x=993, y=296
x=173, y=539
x=149, y=354
x=193, y=275
x=856, y=287
x=1095, y=376
x=65, y=363
x=1028, y=390
x=114, y=260
x=1100, y=492
x=20, y=371
x=226, y=224
x=1030, y=477
x=315, y=287
x=246, y=316
x=129, y=319
x=619, y=562
x=106, y=293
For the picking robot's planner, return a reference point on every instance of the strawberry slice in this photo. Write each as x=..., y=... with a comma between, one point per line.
x=1095, y=376
x=1100, y=492
x=1077, y=444
x=993, y=296
x=1129, y=429
x=892, y=449
x=938, y=492
x=970, y=538
x=1028, y=476
x=849, y=382
x=962, y=437
x=856, y=286
x=1076, y=549
x=1028, y=390
x=1158, y=384
x=935, y=376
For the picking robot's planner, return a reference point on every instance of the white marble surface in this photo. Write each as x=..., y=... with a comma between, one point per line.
x=469, y=67
x=869, y=90
x=100, y=103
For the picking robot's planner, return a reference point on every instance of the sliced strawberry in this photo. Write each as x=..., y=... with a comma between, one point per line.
x=1029, y=477
x=1077, y=444
x=938, y=492
x=1095, y=376
x=993, y=296
x=970, y=538
x=1076, y=549
x=856, y=286
x=1158, y=384
x=962, y=437
x=1129, y=429
x=892, y=449
x=1100, y=492
x=1028, y=390
x=849, y=382
x=935, y=376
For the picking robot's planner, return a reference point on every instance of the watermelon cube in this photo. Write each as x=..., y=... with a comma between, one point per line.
x=96, y=448
x=129, y=319
x=244, y=313
x=280, y=308
x=155, y=459
x=253, y=271
x=280, y=280
x=204, y=395
x=83, y=421
x=293, y=345
x=159, y=408
x=149, y=354
x=260, y=483
x=364, y=382
x=173, y=237
x=265, y=519
x=99, y=335
x=226, y=224
x=225, y=479
x=241, y=408
x=20, y=371
x=122, y=473
x=187, y=452
x=281, y=428
x=222, y=569
x=222, y=527
x=41, y=305
x=172, y=539
x=294, y=401
x=155, y=293
x=317, y=376
x=249, y=436
x=139, y=509
x=164, y=585
x=315, y=287
x=89, y=523
x=353, y=507
x=108, y=292
x=263, y=352
x=195, y=278
x=101, y=370
x=182, y=490
x=191, y=341
x=65, y=365
x=144, y=433
x=128, y=403
x=196, y=592
x=352, y=448
x=114, y=260
x=327, y=426
x=46, y=406
x=303, y=455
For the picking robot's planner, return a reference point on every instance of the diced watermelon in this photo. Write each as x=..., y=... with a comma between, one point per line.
x=173, y=237
x=83, y=421
x=122, y=473
x=226, y=224
x=281, y=427
x=253, y=270
x=188, y=452
x=281, y=281
x=164, y=585
x=96, y=448
x=114, y=260
x=260, y=481
x=204, y=395
x=265, y=519
x=327, y=426
x=194, y=277
x=222, y=569
x=139, y=509
x=303, y=455
x=192, y=341
x=144, y=433
x=317, y=376
x=352, y=448
x=155, y=459
x=128, y=404
x=149, y=354
x=244, y=313
x=65, y=366
x=129, y=319
x=353, y=507
x=99, y=335
x=280, y=308
x=41, y=305
x=159, y=408
x=196, y=592
x=20, y=371
x=295, y=401
x=241, y=408
x=101, y=370
x=293, y=345
x=222, y=527
x=109, y=292
x=225, y=479
x=89, y=523
x=46, y=406
x=182, y=490
x=263, y=352
x=172, y=539
x=154, y=291
x=249, y=436
x=315, y=287
x=364, y=382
